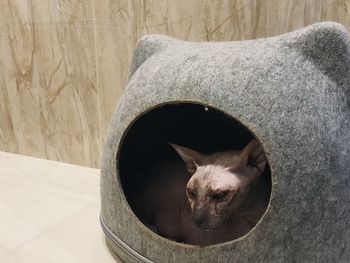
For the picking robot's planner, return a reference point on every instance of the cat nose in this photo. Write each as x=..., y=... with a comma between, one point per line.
x=199, y=216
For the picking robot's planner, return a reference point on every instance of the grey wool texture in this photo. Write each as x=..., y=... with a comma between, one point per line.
x=293, y=92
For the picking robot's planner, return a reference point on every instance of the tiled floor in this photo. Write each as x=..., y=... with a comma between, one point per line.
x=49, y=212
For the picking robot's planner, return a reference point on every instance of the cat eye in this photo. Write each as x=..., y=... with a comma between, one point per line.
x=220, y=196
x=191, y=193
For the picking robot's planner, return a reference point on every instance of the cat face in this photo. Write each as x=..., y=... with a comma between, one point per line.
x=214, y=194
x=220, y=182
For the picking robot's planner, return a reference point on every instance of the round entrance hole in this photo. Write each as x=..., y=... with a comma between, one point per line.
x=146, y=158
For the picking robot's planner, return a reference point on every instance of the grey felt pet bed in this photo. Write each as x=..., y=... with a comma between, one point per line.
x=291, y=92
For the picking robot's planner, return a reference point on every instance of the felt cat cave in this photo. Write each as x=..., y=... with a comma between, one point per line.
x=291, y=92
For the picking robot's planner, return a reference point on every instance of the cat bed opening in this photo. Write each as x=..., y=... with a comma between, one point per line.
x=145, y=144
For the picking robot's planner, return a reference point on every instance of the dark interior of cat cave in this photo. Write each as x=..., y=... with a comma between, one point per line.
x=146, y=144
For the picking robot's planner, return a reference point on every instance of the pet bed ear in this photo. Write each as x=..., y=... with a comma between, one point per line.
x=327, y=46
x=146, y=47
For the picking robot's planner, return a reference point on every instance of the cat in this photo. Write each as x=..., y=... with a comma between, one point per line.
x=206, y=199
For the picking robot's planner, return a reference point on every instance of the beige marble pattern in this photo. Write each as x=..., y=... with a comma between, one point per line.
x=64, y=63
x=49, y=103
x=49, y=212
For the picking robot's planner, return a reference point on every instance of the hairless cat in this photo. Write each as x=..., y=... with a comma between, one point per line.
x=206, y=199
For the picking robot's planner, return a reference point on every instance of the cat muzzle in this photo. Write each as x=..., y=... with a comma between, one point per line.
x=199, y=216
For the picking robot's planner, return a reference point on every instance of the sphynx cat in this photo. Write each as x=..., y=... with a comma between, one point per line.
x=207, y=199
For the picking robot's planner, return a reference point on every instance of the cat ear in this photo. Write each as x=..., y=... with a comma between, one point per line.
x=252, y=159
x=191, y=157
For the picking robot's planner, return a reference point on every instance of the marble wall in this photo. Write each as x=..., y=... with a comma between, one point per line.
x=64, y=63
x=49, y=102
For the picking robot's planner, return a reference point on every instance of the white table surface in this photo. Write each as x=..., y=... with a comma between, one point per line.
x=49, y=212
